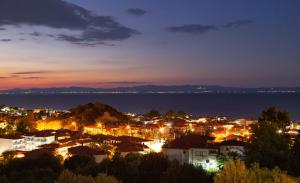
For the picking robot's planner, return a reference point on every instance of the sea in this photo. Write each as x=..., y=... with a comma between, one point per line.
x=231, y=105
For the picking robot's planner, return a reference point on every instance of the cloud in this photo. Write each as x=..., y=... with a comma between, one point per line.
x=136, y=11
x=196, y=29
x=35, y=34
x=2, y=29
x=5, y=40
x=32, y=78
x=124, y=83
x=59, y=14
x=101, y=29
x=31, y=72
x=9, y=77
x=238, y=23
x=192, y=29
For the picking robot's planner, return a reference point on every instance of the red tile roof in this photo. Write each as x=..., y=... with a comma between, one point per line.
x=232, y=143
x=85, y=150
x=12, y=137
x=190, y=141
x=38, y=152
x=129, y=147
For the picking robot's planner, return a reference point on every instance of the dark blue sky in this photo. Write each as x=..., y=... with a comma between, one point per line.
x=132, y=42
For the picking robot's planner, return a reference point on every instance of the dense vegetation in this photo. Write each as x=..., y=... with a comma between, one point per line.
x=270, y=147
x=237, y=172
x=133, y=168
x=90, y=113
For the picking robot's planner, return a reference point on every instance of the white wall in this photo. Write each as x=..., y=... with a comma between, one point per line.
x=181, y=155
x=6, y=145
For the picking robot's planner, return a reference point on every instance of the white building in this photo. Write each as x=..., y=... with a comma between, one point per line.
x=34, y=140
x=27, y=142
x=11, y=143
x=232, y=146
x=6, y=109
x=193, y=149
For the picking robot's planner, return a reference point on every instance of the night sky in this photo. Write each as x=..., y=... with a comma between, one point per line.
x=108, y=43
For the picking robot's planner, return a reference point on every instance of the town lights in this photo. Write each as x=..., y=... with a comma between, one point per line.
x=74, y=125
x=161, y=129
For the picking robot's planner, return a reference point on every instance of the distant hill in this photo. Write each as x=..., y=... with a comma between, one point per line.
x=154, y=89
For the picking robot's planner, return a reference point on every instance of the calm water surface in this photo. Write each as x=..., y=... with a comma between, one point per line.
x=234, y=105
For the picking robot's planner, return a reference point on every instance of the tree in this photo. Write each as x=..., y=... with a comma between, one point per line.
x=296, y=146
x=174, y=114
x=8, y=156
x=221, y=160
x=268, y=147
x=125, y=169
x=280, y=118
x=185, y=173
x=257, y=174
x=22, y=126
x=152, y=167
x=294, y=157
x=3, y=179
x=90, y=113
x=44, y=168
x=33, y=176
x=153, y=113
x=80, y=164
x=237, y=172
x=103, y=178
x=233, y=172
x=133, y=162
x=69, y=177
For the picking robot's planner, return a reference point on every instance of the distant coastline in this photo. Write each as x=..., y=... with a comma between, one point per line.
x=153, y=89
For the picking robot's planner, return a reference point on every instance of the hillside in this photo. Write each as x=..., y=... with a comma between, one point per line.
x=92, y=112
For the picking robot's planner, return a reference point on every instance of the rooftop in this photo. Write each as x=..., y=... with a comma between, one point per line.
x=232, y=143
x=190, y=141
x=85, y=150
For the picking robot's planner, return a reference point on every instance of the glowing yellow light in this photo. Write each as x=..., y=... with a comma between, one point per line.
x=128, y=127
x=155, y=146
x=161, y=129
x=20, y=156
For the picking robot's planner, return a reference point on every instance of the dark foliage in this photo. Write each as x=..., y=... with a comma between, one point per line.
x=90, y=112
x=43, y=169
x=152, y=167
x=280, y=118
x=83, y=165
x=185, y=173
x=152, y=114
x=270, y=146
